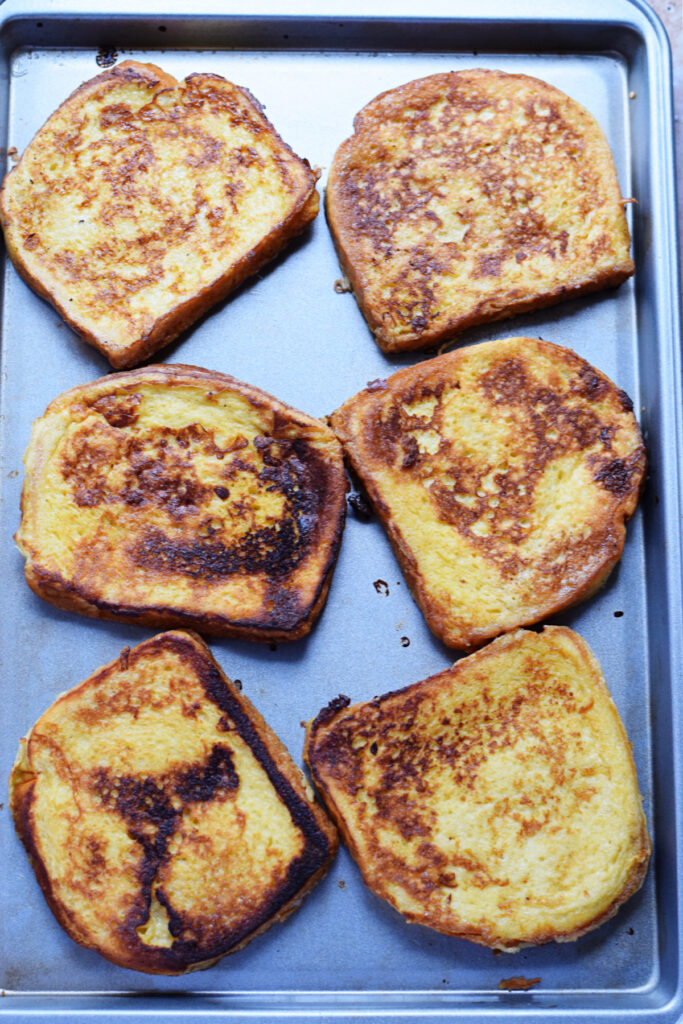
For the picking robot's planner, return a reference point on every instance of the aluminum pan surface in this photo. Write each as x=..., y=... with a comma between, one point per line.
x=345, y=952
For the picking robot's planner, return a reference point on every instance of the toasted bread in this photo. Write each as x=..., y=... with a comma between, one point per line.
x=467, y=197
x=142, y=202
x=496, y=801
x=176, y=496
x=504, y=474
x=166, y=822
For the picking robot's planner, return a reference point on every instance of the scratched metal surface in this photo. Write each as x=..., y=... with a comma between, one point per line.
x=345, y=953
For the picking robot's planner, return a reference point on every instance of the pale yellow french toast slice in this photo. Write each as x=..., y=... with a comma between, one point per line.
x=470, y=196
x=177, y=496
x=504, y=474
x=166, y=822
x=496, y=801
x=143, y=201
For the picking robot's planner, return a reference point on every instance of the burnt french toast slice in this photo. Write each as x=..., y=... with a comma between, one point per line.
x=470, y=196
x=496, y=801
x=504, y=474
x=176, y=496
x=166, y=822
x=143, y=201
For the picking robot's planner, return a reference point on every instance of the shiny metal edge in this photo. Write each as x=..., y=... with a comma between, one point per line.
x=651, y=60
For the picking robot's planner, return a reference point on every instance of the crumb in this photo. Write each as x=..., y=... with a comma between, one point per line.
x=518, y=983
x=360, y=506
x=106, y=57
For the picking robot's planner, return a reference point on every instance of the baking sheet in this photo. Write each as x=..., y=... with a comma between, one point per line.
x=345, y=953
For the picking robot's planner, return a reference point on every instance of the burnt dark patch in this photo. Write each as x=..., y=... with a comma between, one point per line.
x=273, y=550
x=150, y=805
x=360, y=506
x=626, y=403
x=158, y=481
x=592, y=386
x=330, y=711
x=212, y=551
x=210, y=781
x=614, y=477
x=146, y=807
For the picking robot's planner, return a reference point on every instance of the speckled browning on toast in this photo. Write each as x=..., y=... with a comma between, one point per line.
x=166, y=822
x=467, y=197
x=176, y=496
x=504, y=474
x=142, y=202
x=496, y=801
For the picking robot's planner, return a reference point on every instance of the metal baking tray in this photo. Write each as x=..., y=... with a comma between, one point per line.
x=345, y=954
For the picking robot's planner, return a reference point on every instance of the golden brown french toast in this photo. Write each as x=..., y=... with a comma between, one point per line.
x=176, y=496
x=504, y=474
x=496, y=801
x=470, y=196
x=143, y=201
x=166, y=822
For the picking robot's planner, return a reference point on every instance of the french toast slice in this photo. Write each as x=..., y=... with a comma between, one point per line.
x=470, y=196
x=496, y=801
x=172, y=495
x=143, y=201
x=504, y=474
x=166, y=822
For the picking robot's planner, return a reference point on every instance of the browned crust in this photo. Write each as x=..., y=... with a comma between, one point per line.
x=319, y=833
x=355, y=421
x=500, y=304
x=293, y=621
x=378, y=873
x=168, y=327
x=64, y=595
x=496, y=308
